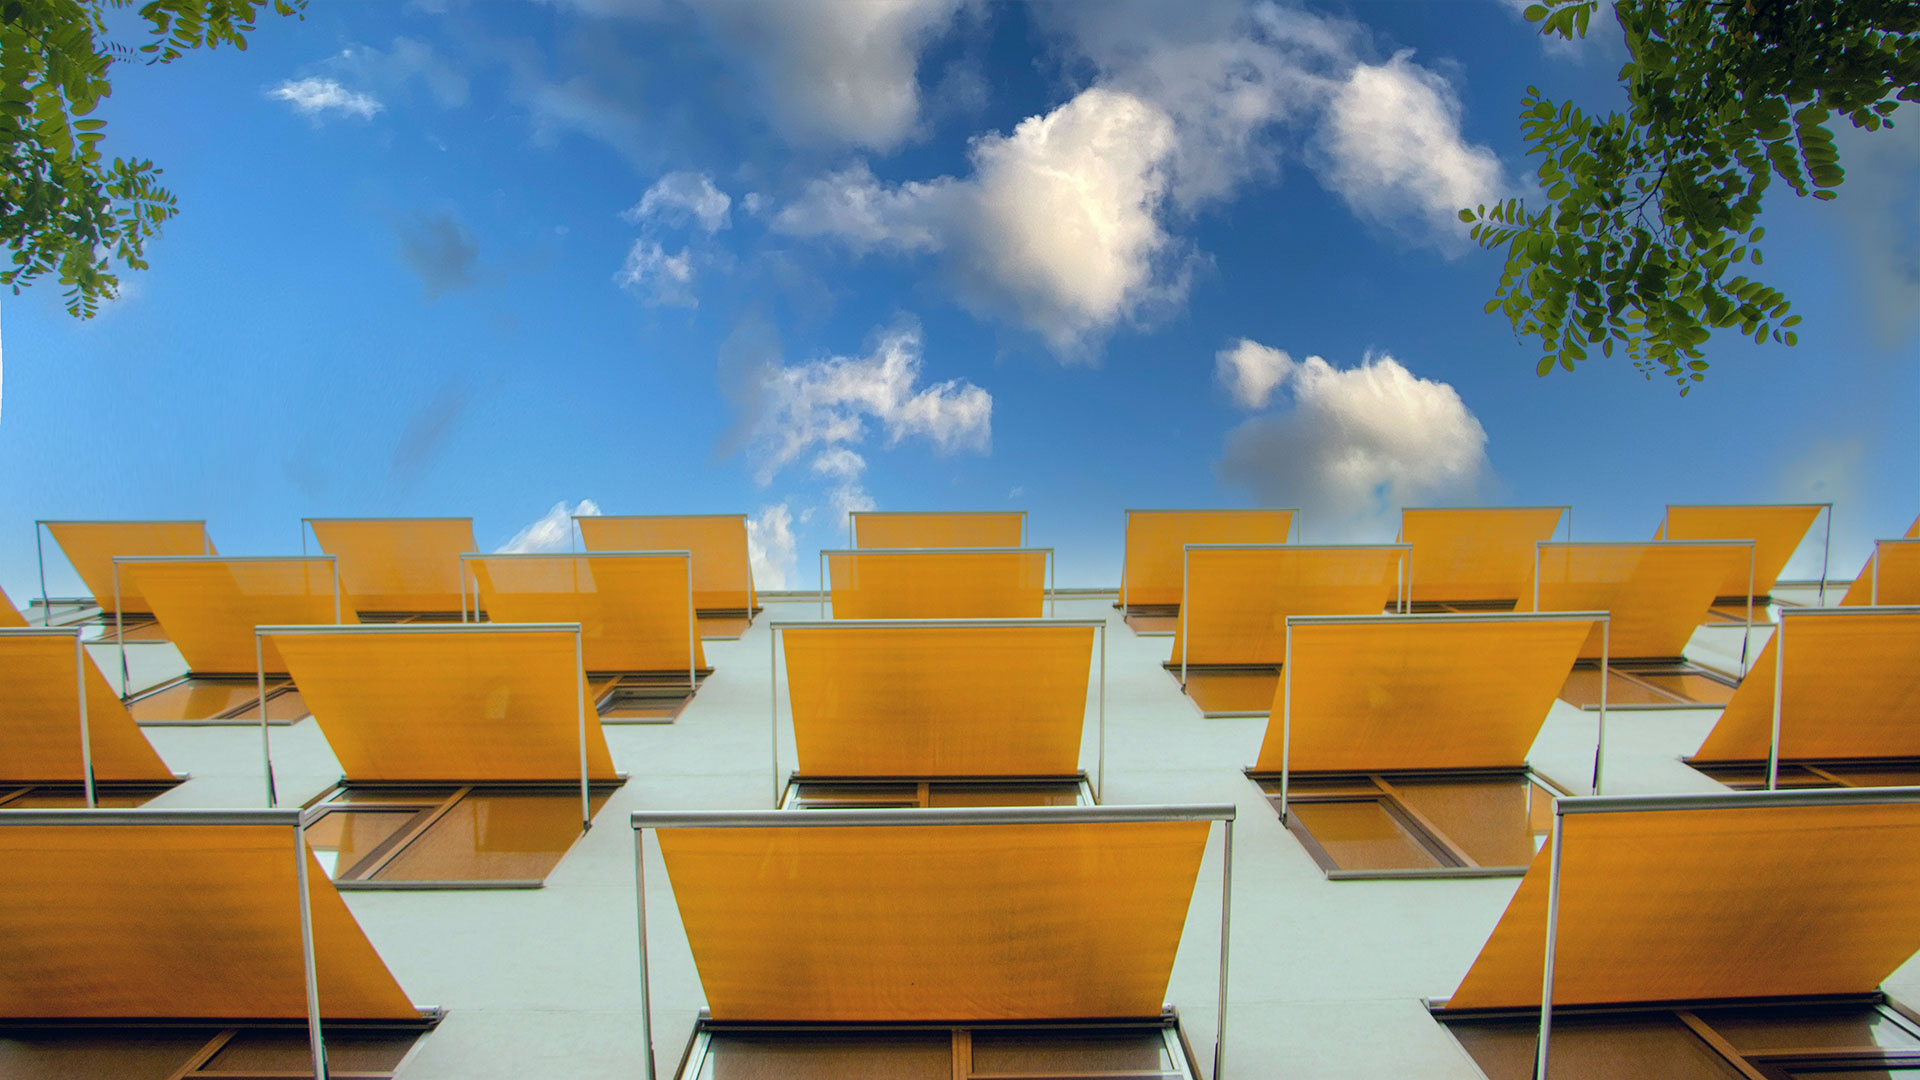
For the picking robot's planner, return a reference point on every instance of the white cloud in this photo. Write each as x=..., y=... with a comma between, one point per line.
x=771, y=549
x=317, y=97
x=1251, y=372
x=1396, y=155
x=840, y=463
x=551, y=531
x=680, y=197
x=658, y=278
x=1357, y=444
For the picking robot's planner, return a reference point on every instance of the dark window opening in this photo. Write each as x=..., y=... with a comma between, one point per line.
x=114, y=796
x=1417, y=824
x=87, y=1051
x=1230, y=690
x=653, y=697
x=1648, y=684
x=1152, y=620
x=1881, y=772
x=218, y=699
x=818, y=794
x=467, y=836
x=1135, y=1051
x=724, y=624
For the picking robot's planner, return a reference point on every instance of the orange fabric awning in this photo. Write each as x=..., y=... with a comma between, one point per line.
x=635, y=611
x=1156, y=545
x=1407, y=692
x=91, y=545
x=1891, y=576
x=1475, y=554
x=872, y=529
x=988, y=583
x=448, y=706
x=40, y=717
x=171, y=922
x=209, y=606
x=953, y=923
x=722, y=571
x=1238, y=599
x=1693, y=905
x=1776, y=532
x=1657, y=593
x=1851, y=690
x=407, y=565
x=938, y=701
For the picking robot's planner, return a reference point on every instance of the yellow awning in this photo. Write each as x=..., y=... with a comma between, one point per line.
x=1891, y=576
x=962, y=530
x=722, y=572
x=1156, y=545
x=40, y=717
x=10, y=616
x=171, y=922
x=1238, y=599
x=1776, y=531
x=448, y=705
x=955, y=923
x=635, y=611
x=1409, y=692
x=91, y=545
x=209, y=606
x=1693, y=905
x=1852, y=690
x=984, y=584
x=398, y=564
x=1657, y=593
x=938, y=701
x=1475, y=554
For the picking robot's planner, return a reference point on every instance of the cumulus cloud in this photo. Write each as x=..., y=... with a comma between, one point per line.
x=771, y=548
x=1251, y=372
x=441, y=250
x=1396, y=155
x=551, y=531
x=1880, y=208
x=679, y=198
x=1356, y=444
x=317, y=97
x=658, y=278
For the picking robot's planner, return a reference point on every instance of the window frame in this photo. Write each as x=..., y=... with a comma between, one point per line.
x=794, y=796
x=224, y=1031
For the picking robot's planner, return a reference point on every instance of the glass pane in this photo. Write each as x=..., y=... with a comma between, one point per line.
x=74, y=799
x=879, y=1055
x=1013, y=795
x=1875, y=775
x=1362, y=835
x=1231, y=691
x=286, y=705
x=723, y=626
x=1754, y=777
x=1857, y=1072
x=287, y=1051
x=196, y=699
x=1490, y=820
x=1595, y=1048
x=644, y=703
x=857, y=795
x=124, y=1054
x=1048, y=1052
x=342, y=838
x=493, y=836
x=1690, y=687
x=1582, y=688
x=1303, y=786
x=1837, y=1027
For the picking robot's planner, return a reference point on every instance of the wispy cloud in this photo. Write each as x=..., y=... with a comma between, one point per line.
x=679, y=198
x=551, y=531
x=319, y=97
x=771, y=548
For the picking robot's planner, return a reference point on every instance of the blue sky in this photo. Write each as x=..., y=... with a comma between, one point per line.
x=783, y=259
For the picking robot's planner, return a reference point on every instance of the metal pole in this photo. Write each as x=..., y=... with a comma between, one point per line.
x=640, y=888
x=40, y=557
x=693, y=620
x=1873, y=597
x=1553, y=927
x=463, y=589
x=1186, y=564
x=119, y=633
x=314, y=1040
x=1537, y=552
x=823, y=575
x=1779, y=685
x=266, y=750
x=1600, y=740
x=1100, y=777
x=1746, y=639
x=580, y=695
x=1400, y=584
x=1053, y=575
x=335, y=563
x=86, y=740
x=773, y=697
x=1286, y=716
x=1226, y=914
x=1826, y=551
x=1125, y=532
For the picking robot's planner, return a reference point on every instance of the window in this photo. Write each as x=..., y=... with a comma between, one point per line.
x=165, y=1053
x=422, y=837
x=841, y=794
x=1418, y=824
x=1134, y=1051
x=1813, y=774
x=1640, y=684
x=1815, y=1041
x=218, y=700
x=74, y=796
x=642, y=698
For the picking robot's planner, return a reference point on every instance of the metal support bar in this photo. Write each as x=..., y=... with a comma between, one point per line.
x=1826, y=552
x=1286, y=713
x=580, y=695
x=119, y=631
x=40, y=558
x=1779, y=681
x=934, y=816
x=646, y=1004
x=315, y=1042
x=86, y=739
x=773, y=695
x=1226, y=916
x=1600, y=736
x=1553, y=929
x=266, y=749
x=1100, y=774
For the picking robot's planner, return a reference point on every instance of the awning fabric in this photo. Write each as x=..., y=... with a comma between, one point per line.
x=984, y=584
x=1693, y=905
x=1238, y=599
x=891, y=530
x=1475, y=554
x=448, y=706
x=1156, y=541
x=1657, y=593
x=1405, y=693
x=40, y=718
x=1851, y=690
x=91, y=545
x=209, y=606
x=1776, y=531
x=176, y=922
x=635, y=612
x=957, y=923
x=938, y=701
x=722, y=571
x=399, y=564
x=1897, y=565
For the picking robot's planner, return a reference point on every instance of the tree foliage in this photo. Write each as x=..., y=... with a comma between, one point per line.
x=64, y=209
x=1650, y=216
